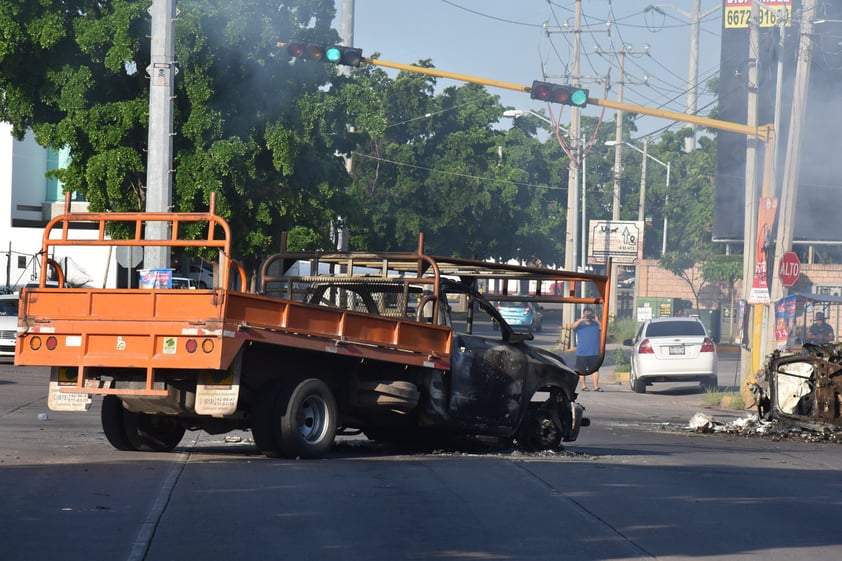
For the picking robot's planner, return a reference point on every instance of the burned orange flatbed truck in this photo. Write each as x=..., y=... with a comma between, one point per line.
x=395, y=345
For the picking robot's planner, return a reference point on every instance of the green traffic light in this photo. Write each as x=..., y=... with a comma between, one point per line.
x=333, y=54
x=579, y=97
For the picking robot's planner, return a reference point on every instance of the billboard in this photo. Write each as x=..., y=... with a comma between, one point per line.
x=818, y=200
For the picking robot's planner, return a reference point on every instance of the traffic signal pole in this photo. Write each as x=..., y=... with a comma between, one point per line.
x=762, y=133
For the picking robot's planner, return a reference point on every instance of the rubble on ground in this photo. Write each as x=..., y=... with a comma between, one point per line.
x=754, y=426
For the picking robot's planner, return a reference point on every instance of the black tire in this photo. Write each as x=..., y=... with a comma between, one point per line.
x=130, y=431
x=306, y=420
x=538, y=432
x=636, y=384
x=155, y=433
x=710, y=384
x=112, y=416
x=263, y=422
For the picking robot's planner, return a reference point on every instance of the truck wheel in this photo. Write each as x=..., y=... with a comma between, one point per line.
x=130, y=431
x=263, y=422
x=114, y=424
x=306, y=422
x=538, y=432
x=154, y=433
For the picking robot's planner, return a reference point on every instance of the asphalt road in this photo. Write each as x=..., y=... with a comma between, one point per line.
x=637, y=484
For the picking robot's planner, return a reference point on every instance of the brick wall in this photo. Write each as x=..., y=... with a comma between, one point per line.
x=657, y=282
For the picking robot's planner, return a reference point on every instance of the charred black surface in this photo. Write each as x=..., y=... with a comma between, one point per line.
x=803, y=388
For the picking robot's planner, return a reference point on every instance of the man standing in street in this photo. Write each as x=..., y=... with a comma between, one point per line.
x=587, y=330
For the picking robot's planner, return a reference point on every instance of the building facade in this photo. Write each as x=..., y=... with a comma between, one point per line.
x=28, y=201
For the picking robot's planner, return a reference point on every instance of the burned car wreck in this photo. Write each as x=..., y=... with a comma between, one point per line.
x=803, y=388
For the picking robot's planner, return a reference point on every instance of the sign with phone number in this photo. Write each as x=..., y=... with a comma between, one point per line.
x=738, y=13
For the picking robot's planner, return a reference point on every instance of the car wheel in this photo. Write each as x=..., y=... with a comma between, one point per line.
x=636, y=384
x=710, y=384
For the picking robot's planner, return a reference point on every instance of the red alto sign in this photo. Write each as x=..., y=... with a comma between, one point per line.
x=789, y=268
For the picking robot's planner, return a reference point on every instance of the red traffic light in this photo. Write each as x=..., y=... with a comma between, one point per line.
x=556, y=93
x=295, y=50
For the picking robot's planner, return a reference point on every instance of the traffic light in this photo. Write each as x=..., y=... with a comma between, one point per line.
x=334, y=54
x=566, y=95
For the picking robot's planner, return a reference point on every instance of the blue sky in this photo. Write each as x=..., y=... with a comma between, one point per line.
x=505, y=40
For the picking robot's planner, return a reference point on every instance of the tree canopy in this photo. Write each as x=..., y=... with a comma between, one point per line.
x=293, y=145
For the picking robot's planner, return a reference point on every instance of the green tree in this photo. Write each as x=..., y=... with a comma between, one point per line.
x=726, y=270
x=435, y=163
x=250, y=124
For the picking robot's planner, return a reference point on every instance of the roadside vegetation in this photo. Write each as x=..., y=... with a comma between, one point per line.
x=314, y=151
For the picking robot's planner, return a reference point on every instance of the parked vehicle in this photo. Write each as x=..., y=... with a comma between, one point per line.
x=202, y=274
x=518, y=314
x=8, y=325
x=672, y=349
x=184, y=283
x=365, y=342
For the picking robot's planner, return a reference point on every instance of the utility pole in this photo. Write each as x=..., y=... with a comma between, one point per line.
x=693, y=73
x=641, y=206
x=792, y=166
x=695, y=16
x=618, y=168
x=747, y=366
x=571, y=224
x=161, y=71
x=576, y=159
x=346, y=32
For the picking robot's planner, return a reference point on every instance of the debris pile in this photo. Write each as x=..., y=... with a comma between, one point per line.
x=753, y=426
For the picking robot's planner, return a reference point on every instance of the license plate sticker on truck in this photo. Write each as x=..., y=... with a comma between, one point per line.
x=676, y=350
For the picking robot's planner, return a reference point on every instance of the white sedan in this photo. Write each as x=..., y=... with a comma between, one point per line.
x=8, y=325
x=672, y=349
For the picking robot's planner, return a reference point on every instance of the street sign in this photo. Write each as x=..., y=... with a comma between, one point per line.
x=789, y=268
x=129, y=256
x=621, y=240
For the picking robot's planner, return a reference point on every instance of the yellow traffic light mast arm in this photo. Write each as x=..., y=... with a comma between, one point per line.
x=451, y=75
x=763, y=133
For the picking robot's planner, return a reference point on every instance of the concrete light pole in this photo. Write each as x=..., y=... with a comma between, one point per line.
x=161, y=72
x=579, y=155
x=667, y=165
x=641, y=209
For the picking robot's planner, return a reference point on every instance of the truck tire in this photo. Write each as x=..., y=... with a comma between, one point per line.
x=538, y=431
x=263, y=422
x=154, y=433
x=306, y=420
x=113, y=423
x=129, y=431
